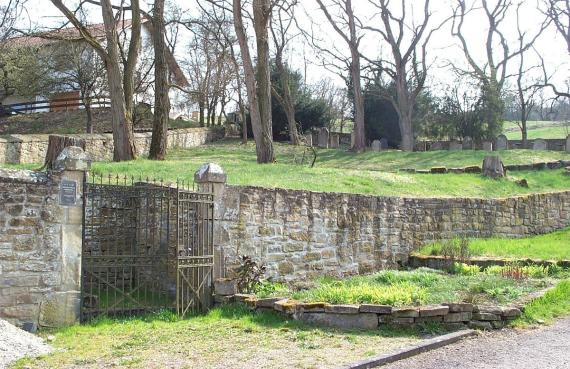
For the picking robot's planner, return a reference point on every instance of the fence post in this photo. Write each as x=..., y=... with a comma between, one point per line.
x=211, y=178
x=69, y=172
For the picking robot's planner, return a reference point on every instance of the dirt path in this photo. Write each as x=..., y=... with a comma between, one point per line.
x=544, y=348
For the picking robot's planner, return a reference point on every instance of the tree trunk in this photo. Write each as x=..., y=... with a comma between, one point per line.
x=124, y=148
x=89, y=113
x=158, y=145
x=263, y=142
x=359, y=129
x=132, y=59
x=55, y=145
x=287, y=100
x=201, y=109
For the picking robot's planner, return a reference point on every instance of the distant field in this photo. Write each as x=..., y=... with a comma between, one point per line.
x=538, y=129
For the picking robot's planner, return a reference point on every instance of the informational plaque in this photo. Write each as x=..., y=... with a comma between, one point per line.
x=68, y=193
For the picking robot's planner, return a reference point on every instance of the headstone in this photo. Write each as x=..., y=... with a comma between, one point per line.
x=540, y=144
x=309, y=139
x=568, y=144
x=455, y=146
x=493, y=167
x=384, y=143
x=324, y=138
x=501, y=143
x=467, y=143
x=352, y=139
x=376, y=146
x=335, y=141
x=487, y=146
x=436, y=146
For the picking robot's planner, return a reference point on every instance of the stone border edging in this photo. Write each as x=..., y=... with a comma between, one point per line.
x=441, y=263
x=407, y=352
x=474, y=169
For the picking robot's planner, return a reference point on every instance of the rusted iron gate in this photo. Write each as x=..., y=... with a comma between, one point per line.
x=147, y=246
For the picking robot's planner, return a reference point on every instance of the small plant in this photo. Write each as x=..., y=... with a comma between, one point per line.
x=456, y=249
x=249, y=274
x=464, y=269
x=268, y=288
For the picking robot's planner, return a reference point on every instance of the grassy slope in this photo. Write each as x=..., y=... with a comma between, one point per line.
x=537, y=129
x=552, y=246
x=553, y=304
x=418, y=287
x=341, y=171
x=227, y=337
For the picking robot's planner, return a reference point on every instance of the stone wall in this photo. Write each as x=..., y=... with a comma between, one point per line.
x=40, y=248
x=302, y=234
x=31, y=149
x=553, y=144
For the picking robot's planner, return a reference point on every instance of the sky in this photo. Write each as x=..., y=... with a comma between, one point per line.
x=443, y=47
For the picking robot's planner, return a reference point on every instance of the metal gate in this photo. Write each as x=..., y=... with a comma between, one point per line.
x=147, y=246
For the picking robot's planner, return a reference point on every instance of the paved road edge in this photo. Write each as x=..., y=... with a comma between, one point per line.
x=407, y=352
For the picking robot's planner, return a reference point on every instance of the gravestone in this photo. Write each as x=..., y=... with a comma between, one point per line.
x=309, y=139
x=335, y=141
x=376, y=146
x=568, y=144
x=324, y=138
x=467, y=143
x=436, y=146
x=487, y=146
x=384, y=144
x=493, y=167
x=501, y=143
x=540, y=144
x=455, y=146
x=352, y=139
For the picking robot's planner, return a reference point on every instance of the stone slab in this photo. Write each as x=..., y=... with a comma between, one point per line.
x=377, y=309
x=342, y=309
x=460, y=307
x=405, y=313
x=429, y=311
x=363, y=321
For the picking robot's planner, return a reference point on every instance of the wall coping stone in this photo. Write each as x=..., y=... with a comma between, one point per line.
x=23, y=176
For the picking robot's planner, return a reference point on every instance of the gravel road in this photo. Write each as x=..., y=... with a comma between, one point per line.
x=16, y=343
x=543, y=348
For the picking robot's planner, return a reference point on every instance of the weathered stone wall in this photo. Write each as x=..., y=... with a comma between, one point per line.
x=553, y=144
x=302, y=234
x=40, y=249
x=31, y=149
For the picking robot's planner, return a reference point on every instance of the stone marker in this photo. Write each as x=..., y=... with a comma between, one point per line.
x=493, y=167
x=436, y=146
x=467, y=143
x=487, y=146
x=540, y=144
x=335, y=141
x=376, y=145
x=352, y=139
x=568, y=144
x=501, y=143
x=455, y=146
x=309, y=139
x=384, y=143
x=324, y=138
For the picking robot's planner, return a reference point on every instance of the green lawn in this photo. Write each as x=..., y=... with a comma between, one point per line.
x=555, y=303
x=552, y=246
x=227, y=337
x=420, y=287
x=342, y=171
x=538, y=129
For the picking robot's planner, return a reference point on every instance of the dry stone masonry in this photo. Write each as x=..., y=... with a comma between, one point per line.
x=31, y=149
x=303, y=234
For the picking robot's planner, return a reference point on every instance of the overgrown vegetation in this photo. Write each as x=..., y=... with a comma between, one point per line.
x=419, y=287
x=551, y=246
x=555, y=303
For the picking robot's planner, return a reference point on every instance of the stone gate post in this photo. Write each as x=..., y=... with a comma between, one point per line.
x=63, y=306
x=212, y=178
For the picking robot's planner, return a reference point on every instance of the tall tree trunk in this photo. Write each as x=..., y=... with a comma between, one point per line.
x=123, y=140
x=360, y=132
x=405, y=113
x=158, y=145
x=201, y=104
x=132, y=58
x=287, y=100
x=89, y=113
x=263, y=142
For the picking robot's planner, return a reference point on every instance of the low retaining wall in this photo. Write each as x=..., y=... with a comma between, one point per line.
x=442, y=263
x=31, y=149
x=303, y=234
x=371, y=317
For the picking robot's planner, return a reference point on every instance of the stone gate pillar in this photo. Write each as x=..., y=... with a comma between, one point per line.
x=62, y=307
x=212, y=178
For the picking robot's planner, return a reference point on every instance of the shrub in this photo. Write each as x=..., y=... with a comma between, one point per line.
x=464, y=269
x=456, y=249
x=268, y=288
x=249, y=274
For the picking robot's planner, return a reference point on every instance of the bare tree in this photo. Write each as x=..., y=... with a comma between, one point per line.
x=158, y=143
x=558, y=11
x=280, y=30
x=344, y=25
x=121, y=85
x=492, y=72
x=408, y=65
